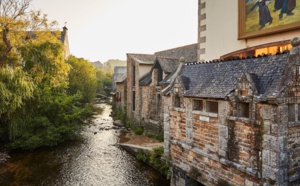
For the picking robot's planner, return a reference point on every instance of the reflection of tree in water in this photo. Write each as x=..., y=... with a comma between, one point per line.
x=252, y=18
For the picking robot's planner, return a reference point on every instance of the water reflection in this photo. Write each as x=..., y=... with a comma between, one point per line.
x=94, y=160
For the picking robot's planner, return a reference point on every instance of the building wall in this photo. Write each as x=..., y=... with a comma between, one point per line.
x=151, y=108
x=118, y=72
x=218, y=30
x=66, y=43
x=227, y=148
x=130, y=66
x=196, y=152
x=140, y=70
x=121, y=101
x=144, y=69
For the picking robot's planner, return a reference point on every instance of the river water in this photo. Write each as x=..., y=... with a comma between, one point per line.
x=95, y=160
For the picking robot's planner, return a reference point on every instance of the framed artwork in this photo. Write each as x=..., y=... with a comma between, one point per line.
x=264, y=17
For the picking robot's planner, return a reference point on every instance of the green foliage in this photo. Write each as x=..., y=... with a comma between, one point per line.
x=36, y=108
x=155, y=136
x=82, y=78
x=137, y=130
x=15, y=87
x=119, y=114
x=156, y=161
x=104, y=82
x=60, y=118
x=141, y=156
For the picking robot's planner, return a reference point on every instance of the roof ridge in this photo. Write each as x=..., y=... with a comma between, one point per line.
x=165, y=57
x=176, y=48
x=139, y=54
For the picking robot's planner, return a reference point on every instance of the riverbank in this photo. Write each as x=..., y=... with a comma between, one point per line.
x=95, y=159
x=130, y=138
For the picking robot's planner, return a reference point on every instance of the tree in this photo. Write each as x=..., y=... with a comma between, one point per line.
x=82, y=78
x=19, y=26
x=12, y=13
x=104, y=81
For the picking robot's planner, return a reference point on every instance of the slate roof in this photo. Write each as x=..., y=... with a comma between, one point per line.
x=218, y=79
x=118, y=72
x=189, y=52
x=168, y=65
x=122, y=78
x=143, y=58
x=146, y=79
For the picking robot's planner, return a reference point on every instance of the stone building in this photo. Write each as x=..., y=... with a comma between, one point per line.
x=119, y=71
x=65, y=40
x=151, y=85
x=235, y=122
x=137, y=66
x=230, y=117
x=145, y=75
x=120, y=96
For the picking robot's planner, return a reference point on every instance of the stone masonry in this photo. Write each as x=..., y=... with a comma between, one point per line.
x=239, y=125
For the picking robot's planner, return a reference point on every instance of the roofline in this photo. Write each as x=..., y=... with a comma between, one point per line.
x=176, y=48
x=139, y=54
x=163, y=57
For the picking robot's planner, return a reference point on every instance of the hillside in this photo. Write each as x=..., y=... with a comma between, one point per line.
x=115, y=62
x=109, y=65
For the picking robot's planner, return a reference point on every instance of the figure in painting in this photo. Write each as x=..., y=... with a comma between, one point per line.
x=278, y=5
x=264, y=13
x=287, y=8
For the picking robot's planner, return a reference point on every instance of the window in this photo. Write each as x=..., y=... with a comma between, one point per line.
x=212, y=106
x=177, y=101
x=243, y=110
x=294, y=112
x=198, y=105
x=291, y=112
x=159, y=75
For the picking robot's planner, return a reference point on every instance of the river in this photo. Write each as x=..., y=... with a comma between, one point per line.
x=94, y=160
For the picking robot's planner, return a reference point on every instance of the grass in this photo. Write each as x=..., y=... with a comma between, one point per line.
x=155, y=136
x=252, y=19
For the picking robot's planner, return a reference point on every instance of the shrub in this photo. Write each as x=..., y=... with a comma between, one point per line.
x=138, y=130
x=141, y=156
x=155, y=136
x=156, y=161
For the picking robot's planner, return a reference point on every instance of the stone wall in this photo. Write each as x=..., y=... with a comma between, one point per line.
x=219, y=149
x=133, y=90
x=120, y=102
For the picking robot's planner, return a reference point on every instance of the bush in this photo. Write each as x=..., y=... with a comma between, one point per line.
x=58, y=119
x=158, y=137
x=156, y=161
x=141, y=156
x=138, y=130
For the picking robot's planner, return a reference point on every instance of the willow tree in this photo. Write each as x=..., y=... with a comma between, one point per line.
x=30, y=54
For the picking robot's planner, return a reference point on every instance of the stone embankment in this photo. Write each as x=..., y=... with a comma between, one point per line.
x=134, y=143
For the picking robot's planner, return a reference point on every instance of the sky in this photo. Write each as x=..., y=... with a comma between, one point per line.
x=100, y=30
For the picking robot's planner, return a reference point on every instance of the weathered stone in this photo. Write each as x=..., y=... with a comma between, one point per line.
x=223, y=131
x=248, y=183
x=270, y=142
